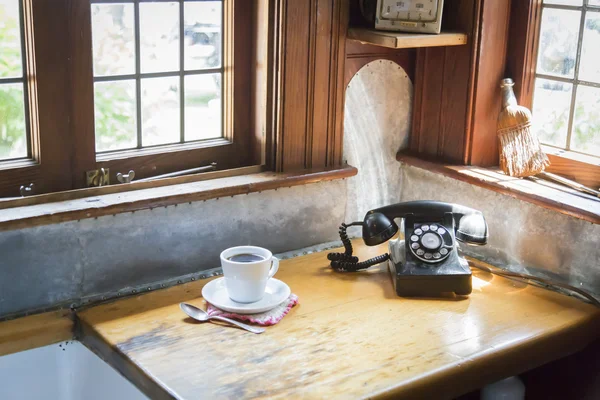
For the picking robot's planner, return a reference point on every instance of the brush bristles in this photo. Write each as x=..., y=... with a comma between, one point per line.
x=520, y=150
x=521, y=153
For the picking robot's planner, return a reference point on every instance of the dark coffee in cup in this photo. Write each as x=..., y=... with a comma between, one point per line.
x=246, y=258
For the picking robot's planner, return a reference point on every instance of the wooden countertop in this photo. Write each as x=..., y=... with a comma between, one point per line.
x=349, y=337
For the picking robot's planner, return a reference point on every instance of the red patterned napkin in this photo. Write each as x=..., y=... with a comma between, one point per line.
x=266, y=318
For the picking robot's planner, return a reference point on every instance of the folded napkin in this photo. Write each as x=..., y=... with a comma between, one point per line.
x=266, y=318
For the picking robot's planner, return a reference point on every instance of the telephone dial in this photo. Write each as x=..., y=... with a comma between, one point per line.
x=426, y=262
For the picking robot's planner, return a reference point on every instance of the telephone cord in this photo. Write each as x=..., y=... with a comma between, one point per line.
x=346, y=262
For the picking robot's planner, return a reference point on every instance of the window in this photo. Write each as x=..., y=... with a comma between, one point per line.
x=14, y=138
x=157, y=73
x=566, y=100
x=149, y=86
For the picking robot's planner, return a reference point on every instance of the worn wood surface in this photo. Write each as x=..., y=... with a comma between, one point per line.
x=578, y=167
x=35, y=331
x=350, y=337
x=116, y=202
x=546, y=194
x=402, y=40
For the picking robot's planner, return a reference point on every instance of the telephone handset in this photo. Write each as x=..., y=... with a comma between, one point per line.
x=426, y=262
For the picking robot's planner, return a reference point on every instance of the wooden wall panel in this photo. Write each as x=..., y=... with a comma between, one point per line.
x=295, y=76
x=321, y=57
x=309, y=91
x=443, y=78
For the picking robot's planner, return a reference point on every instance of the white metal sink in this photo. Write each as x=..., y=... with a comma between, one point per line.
x=62, y=371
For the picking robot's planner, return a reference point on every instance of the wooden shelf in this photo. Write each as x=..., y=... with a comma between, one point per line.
x=400, y=40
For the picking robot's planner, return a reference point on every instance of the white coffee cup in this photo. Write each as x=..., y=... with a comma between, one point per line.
x=246, y=281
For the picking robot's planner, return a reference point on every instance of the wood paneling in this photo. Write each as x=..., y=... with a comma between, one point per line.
x=310, y=39
x=350, y=337
x=456, y=113
x=443, y=78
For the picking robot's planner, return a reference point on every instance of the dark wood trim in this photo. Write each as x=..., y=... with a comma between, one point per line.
x=120, y=202
x=490, y=68
x=83, y=149
x=525, y=19
x=561, y=200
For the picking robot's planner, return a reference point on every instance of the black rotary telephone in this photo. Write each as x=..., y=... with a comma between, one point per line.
x=426, y=262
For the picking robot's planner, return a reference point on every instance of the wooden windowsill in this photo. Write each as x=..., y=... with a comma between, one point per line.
x=71, y=206
x=540, y=192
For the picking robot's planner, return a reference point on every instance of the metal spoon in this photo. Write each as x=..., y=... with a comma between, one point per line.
x=201, y=315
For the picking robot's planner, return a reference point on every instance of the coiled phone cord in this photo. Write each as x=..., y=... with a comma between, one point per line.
x=346, y=262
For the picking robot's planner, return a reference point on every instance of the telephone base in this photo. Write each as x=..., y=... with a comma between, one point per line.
x=417, y=281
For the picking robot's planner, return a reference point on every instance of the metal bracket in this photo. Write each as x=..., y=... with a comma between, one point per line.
x=27, y=190
x=97, y=177
x=126, y=178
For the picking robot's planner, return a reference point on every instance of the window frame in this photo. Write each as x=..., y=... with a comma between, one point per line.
x=62, y=132
x=524, y=31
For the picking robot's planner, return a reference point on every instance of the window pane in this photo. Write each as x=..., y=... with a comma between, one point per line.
x=594, y=2
x=589, y=65
x=160, y=111
x=13, y=136
x=203, y=34
x=159, y=37
x=558, y=42
x=10, y=39
x=586, y=132
x=113, y=39
x=551, y=103
x=115, y=115
x=564, y=2
x=202, y=107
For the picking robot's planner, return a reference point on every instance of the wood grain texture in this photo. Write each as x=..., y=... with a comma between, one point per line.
x=521, y=58
x=585, y=172
x=358, y=55
x=443, y=78
x=490, y=69
x=82, y=151
x=550, y=196
x=119, y=202
x=401, y=40
x=35, y=331
x=350, y=337
x=311, y=39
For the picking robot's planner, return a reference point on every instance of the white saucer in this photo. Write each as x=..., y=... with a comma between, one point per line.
x=215, y=293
